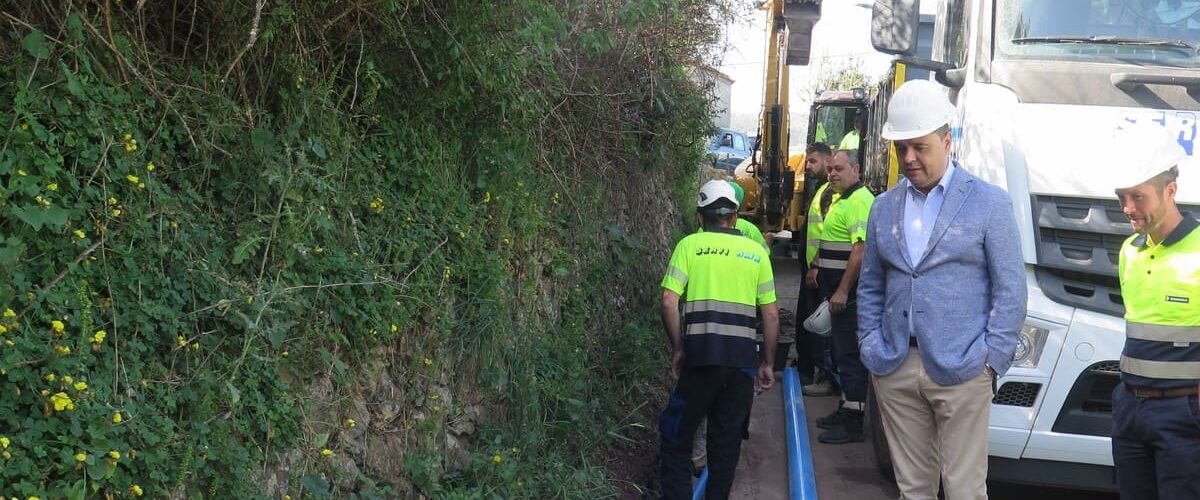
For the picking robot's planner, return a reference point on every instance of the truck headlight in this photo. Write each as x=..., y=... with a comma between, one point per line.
x=1029, y=346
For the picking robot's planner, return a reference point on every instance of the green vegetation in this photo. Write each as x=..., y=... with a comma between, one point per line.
x=336, y=248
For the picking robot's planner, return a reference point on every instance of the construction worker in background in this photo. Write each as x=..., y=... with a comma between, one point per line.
x=1155, y=436
x=838, y=261
x=851, y=140
x=726, y=278
x=816, y=378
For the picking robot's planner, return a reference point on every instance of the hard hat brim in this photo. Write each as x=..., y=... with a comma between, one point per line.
x=892, y=134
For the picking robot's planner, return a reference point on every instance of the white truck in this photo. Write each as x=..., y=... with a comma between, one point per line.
x=1040, y=86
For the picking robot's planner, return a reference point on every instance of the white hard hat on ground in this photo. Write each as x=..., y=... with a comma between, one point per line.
x=919, y=107
x=1143, y=151
x=820, y=321
x=714, y=190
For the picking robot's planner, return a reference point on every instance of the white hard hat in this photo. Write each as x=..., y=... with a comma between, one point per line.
x=819, y=322
x=715, y=190
x=919, y=107
x=1143, y=151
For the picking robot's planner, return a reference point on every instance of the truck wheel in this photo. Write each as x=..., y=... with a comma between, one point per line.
x=876, y=440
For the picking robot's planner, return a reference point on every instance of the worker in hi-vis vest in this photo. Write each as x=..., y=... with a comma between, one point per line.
x=1156, y=428
x=726, y=278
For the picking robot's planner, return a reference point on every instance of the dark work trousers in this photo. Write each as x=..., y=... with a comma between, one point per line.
x=852, y=375
x=1156, y=446
x=723, y=395
x=810, y=347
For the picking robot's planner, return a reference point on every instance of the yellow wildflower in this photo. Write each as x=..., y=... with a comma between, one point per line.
x=8, y=342
x=284, y=354
x=8, y=313
x=50, y=377
x=136, y=490
x=141, y=185
x=114, y=454
x=99, y=336
x=195, y=346
x=81, y=457
x=68, y=380
x=181, y=341
x=6, y=455
x=4, y=442
x=81, y=386
x=487, y=196
x=133, y=179
x=112, y=200
x=3, y=329
x=57, y=326
x=79, y=233
x=117, y=418
x=428, y=362
x=496, y=458
x=33, y=498
x=377, y=205
x=21, y=172
x=326, y=452
x=62, y=401
x=116, y=212
x=350, y=423
x=62, y=349
x=150, y=166
x=53, y=186
x=395, y=328
x=24, y=126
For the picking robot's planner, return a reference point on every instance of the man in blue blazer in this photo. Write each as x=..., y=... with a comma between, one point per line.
x=941, y=300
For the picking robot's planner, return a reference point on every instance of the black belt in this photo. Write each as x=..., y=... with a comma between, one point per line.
x=912, y=342
x=1148, y=392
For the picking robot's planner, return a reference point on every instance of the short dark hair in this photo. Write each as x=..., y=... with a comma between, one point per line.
x=718, y=213
x=943, y=130
x=1160, y=181
x=818, y=147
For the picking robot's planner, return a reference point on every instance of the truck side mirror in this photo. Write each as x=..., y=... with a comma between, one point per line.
x=894, y=26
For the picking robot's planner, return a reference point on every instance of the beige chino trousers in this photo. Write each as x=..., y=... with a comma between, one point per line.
x=935, y=431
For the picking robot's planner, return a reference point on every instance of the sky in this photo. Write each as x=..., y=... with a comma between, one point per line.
x=843, y=32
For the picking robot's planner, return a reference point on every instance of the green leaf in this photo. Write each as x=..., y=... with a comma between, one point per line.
x=78, y=490
x=315, y=484
x=234, y=394
x=73, y=85
x=35, y=44
x=246, y=249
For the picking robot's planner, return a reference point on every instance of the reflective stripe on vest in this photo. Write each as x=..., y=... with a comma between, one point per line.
x=1186, y=370
x=1162, y=333
x=718, y=317
x=834, y=254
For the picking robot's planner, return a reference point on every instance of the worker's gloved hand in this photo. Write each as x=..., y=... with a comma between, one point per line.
x=766, y=377
x=810, y=279
x=676, y=364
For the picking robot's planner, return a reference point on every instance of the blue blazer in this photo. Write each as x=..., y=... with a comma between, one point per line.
x=966, y=294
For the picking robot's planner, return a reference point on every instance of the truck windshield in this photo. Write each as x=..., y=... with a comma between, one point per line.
x=1144, y=32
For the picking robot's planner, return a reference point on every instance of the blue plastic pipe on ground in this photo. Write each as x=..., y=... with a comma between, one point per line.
x=698, y=491
x=801, y=483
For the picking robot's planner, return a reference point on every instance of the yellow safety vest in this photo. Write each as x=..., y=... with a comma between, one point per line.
x=815, y=224
x=1160, y=285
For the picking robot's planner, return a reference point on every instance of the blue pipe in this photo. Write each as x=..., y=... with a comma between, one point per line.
x=802, y=483
x=698, y=491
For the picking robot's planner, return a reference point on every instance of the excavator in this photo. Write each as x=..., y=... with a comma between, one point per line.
x=770, y=183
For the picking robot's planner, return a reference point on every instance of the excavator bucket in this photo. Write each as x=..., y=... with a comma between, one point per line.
x=801, y=16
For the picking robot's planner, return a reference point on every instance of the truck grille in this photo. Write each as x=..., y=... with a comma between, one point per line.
x=1017, y=394
x=1078, y=241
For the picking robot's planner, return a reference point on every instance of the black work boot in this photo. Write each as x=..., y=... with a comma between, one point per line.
x=849, y=431
x=833, y=419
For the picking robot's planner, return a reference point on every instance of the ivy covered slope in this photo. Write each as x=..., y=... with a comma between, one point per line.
x=312, y=248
